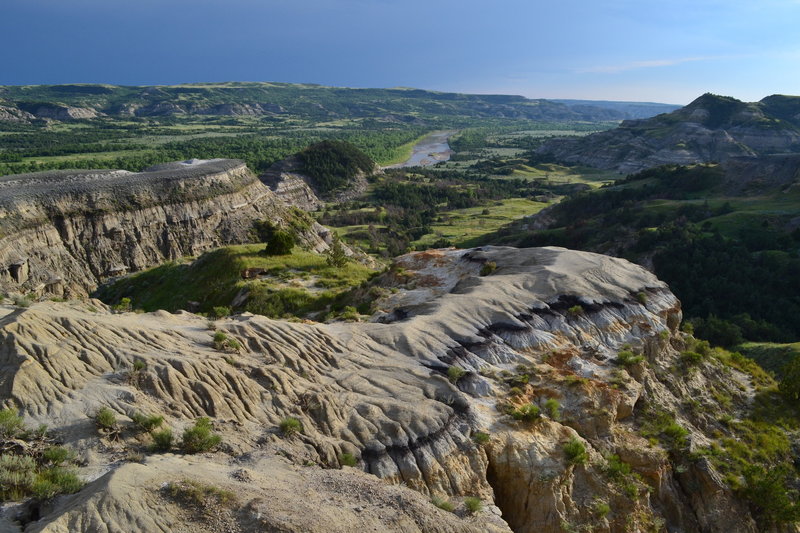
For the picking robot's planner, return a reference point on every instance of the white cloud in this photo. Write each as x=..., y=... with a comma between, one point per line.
x=633, y=65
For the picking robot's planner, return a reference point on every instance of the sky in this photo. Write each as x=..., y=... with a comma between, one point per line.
x=667, y=51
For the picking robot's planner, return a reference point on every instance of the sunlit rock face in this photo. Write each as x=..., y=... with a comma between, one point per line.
x=538, y=326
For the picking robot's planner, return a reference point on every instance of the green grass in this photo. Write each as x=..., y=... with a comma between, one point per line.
x=463, y=227
x=770, y=355
x=296, y=284
x=402, y=153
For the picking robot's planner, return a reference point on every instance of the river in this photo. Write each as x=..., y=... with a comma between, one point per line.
x=429, y=151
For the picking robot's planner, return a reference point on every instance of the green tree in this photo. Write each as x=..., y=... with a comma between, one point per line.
x=281, y=243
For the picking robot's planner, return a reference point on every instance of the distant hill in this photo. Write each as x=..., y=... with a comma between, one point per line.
x=711, y=128
x=628, y=110
x=77, y=102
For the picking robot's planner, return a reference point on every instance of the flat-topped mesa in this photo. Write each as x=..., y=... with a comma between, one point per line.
x=64, y=232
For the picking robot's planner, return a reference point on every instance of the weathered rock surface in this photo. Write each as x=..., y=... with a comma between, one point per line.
x=64, y=232
x=287, y=181
x=379, y=391
x=712, y=128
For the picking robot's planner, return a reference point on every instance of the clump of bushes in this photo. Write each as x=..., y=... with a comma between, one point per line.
x=526, y=413
x=225, y=343
x=38, y=472
x=200, y=438
x=146, y=422
x=200, y=495
x=627, y=358
x=575, y=452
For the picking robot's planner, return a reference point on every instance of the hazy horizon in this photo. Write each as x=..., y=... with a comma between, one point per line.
x=621, y=50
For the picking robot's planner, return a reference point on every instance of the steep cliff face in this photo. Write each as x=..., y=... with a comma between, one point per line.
x=64, y=232
x=529, y=327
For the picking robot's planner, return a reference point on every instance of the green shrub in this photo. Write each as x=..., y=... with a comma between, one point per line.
x=224, y=343
x=123, y=305
x=336, y=256
x=281, y=243
x=105, y=419
x=290, y=425
x=552, y=406
x=526, y=413
x=575, y=310
x=11, y=423
x=205, y=497
x=200, y=438
x=139, y=365
x=601, y=508
x=56, y=480
x=21, y=301
x=575, y=451
x=481, y=438
x=473, y=504
x=57, y=455
x=17, y=476
x=220, y=311
x=145, y=422
x=627, y=358
x=441, y=503
x=488, y=268
x=162, y=440
x=677, y=435
x=691, y=358
x=641, y=297
x=616, y=468
x=347, y=459
x=455, y=373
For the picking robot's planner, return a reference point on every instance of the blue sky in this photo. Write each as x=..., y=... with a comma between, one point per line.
x=666, y=51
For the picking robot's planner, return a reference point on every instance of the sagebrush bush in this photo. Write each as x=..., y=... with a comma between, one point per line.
x=200, y=438
x=526, y=413
x=290, y=425
x=105, y=419
x=10, y=423
x=455, y=373
x=147, y=422
x=553, y=408
x=473, y=504
x=162, y=440
x=575, y=451
x=627, y=358
x=488, y=268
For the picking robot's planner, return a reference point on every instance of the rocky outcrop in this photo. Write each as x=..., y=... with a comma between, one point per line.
x=711, y=128
x=541, y=324
x=63, y=112
x=12, y=114
x=64, y=232
x=287, y=181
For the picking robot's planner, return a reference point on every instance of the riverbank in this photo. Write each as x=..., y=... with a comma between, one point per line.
x=431, y=149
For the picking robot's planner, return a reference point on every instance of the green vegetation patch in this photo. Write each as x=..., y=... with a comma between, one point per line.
x=292, y=285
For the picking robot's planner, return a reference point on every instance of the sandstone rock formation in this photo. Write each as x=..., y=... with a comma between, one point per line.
x=63, y=232
x=548, y=321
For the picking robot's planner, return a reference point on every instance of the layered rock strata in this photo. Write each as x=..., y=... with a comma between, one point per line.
x=548, y=321
x=64, y=232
